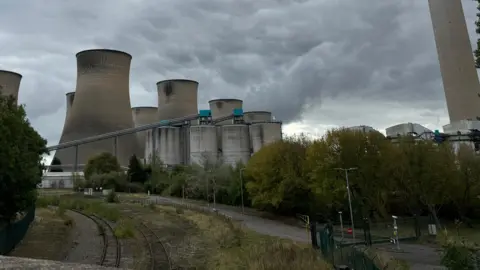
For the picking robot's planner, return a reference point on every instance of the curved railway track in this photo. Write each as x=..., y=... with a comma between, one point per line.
x=159, y=258
x=111, y=252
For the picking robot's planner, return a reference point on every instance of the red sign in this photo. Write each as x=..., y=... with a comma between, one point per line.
x=349, y=230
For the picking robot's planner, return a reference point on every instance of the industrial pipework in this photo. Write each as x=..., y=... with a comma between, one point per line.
x=102, y=106
x=10, y=83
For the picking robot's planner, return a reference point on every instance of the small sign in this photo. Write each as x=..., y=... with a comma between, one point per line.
x=349, y=230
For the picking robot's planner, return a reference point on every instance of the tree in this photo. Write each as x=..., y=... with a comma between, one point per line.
x=276, y=178
x=477, y=29
x=423, y=173
x=344, y=148
x=20, y=159
x=135, y=172
x=101, y=164
x=467, y=185
x=56, y=161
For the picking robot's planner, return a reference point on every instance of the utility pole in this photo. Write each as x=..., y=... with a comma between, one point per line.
x=349, y=197
x=241, y=189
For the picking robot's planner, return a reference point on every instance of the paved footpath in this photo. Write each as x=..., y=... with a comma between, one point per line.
x=258, y=224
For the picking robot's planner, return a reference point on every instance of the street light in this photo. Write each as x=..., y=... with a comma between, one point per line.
x=241, y=189
x=349, y=197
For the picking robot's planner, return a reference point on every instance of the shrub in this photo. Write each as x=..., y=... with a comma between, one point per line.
x=112, y=197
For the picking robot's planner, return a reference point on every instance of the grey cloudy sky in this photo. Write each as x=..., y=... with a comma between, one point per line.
x=315, y=64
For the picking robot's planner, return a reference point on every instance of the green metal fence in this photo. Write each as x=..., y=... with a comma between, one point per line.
x=12, y=234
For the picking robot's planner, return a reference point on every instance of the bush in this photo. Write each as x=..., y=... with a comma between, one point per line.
x=103, y=163
x=458, y=256
x=112, y=180
x=112, y=197
x=124, y=229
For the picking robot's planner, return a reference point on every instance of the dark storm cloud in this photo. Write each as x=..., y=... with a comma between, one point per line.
x=295, y=58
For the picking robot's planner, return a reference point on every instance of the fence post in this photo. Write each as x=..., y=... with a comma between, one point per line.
x=313, y=234
x=366, y=231
x=416, y=223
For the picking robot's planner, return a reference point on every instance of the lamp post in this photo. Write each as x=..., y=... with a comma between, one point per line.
x=346, y=170
x=241, y=189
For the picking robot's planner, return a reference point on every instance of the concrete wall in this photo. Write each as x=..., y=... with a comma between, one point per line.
x=460, y=79
x=102, y=105
x=10, y=83
x=203, y=144
x=167, y=146
x=235, y=144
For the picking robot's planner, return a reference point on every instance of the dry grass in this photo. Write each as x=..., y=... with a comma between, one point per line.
x=228, y=246
x=48, y=237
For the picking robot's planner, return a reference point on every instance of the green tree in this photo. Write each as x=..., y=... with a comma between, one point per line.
x=423, y=174
x=277, y=179
x=20, y=159
x=465, y=190
x=56, y=161
x=344, y=148
x=135, y=172
x=477, y=29
x=101, y=164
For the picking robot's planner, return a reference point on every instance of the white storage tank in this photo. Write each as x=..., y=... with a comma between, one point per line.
x=257, y=117
x=203, y=144
x=235, y=144
x=264, y=133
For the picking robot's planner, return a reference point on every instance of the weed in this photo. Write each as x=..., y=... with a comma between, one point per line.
x=112, y=197
x=124, y=229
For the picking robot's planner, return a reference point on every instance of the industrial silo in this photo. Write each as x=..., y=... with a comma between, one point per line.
x=177, y=98
x=143, y=116
x=168, y=145
x=10, y=83
x=102, y=105
x=262, y=134
x=235, y=144
x=203, y=144
x=257, y=116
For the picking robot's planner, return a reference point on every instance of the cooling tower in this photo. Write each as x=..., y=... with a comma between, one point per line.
x=262, y=134
x=257, y=117
x=224, y=107
x=235, y=144
x=70, y=98
x=203, y=144
x=102, y=105
x=10, y=83
x=177, y=98
x=143, y=116
x=460, y=79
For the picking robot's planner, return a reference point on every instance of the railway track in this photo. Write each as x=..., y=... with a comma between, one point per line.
x=111, y=252
x=159, y=258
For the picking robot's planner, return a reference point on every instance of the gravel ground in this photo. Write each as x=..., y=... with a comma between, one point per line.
x=88, y=244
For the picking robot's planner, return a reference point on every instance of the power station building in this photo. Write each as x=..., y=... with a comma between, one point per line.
x=101, y=105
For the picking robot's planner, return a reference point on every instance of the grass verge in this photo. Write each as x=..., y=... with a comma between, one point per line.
x=228, y=246
x=48, y=237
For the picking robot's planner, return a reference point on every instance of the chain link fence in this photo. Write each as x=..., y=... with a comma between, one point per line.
x=11, y=234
